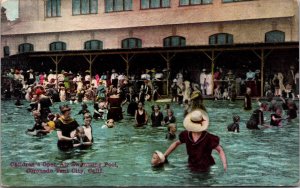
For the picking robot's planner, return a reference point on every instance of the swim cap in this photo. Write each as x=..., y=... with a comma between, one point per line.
x=51, y=124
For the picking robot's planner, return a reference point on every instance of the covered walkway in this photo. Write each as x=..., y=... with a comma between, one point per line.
x=267, y=57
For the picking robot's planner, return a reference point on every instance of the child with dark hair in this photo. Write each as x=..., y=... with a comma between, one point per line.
x=171, y=131
x=156, y=116
x=292, y=110
x=170, y=118
x=276, y=118
x=80, y=140
x=141, y=116
x=234, y=127
x=257, y=117
x=84, y=109
x=99, y=110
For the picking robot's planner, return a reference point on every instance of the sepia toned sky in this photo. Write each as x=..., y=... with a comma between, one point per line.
x=11, y=8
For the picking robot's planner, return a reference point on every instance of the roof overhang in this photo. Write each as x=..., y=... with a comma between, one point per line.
x=152, y=50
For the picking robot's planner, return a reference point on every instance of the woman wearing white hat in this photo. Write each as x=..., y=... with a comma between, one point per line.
x=199, y=142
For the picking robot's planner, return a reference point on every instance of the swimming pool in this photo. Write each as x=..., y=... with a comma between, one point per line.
x=121, y=156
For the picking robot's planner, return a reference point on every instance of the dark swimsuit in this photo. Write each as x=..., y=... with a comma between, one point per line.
x=66, y=127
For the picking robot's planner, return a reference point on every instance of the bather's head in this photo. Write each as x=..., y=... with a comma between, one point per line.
x=158, y=159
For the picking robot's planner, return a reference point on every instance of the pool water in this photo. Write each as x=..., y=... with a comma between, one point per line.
x=122, y=155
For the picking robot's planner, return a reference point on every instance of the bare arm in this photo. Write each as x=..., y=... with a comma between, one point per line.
x=222, y=156
x=61, y=137
x=171, y=148
x=135, y=117
x=146, y=117
x=88, y=133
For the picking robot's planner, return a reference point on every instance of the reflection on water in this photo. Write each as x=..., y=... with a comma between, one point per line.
x=268, y=157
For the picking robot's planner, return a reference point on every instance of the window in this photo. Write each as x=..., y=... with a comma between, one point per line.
x=25, y=47
x=194, y=2
x=118, y=5
x=148, y=4
x=221, y=38
x=85, y=7
x=230, y=1
x=53, y=8
x=6, y=51
x=93, y=45
x=131, y=43
x=274, y=36
x=173, y=41
x=57, y=46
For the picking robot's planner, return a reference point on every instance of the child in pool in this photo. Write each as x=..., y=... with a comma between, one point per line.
x=171, y=135
x=84, y=109
x=170, y=118
x=37, y=125
x=234, y=127
x=276, y=118
x=88, y=127
x=292, y=110
x=80, y=139
x=158, y=159
x=110, y=123
x=199, y=142
x=156, y=116
x=141, y=117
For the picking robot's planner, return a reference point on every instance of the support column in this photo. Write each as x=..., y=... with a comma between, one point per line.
x=212, y=58
x=90, y=59
x=127, y=60
x=262, y=57
x=168, y=59
x=56, y=61
x=262, y=65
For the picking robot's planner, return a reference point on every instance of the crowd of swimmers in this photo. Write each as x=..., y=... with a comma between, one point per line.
x=109, y=96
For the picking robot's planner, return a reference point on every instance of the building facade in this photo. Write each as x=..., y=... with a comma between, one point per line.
x=52, y=25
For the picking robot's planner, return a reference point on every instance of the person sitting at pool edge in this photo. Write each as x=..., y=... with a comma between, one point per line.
x=65, y=127
x=199, y=142
x=234, y=127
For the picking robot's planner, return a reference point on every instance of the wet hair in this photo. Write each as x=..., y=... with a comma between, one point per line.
x=235, y=118
x=51, y=117
x=87, y=115
x=170, y=110
x=79, y=129
x=263, y=105
x=156, y=105
x=64, y=108
x=172, y=125
x=84, y=105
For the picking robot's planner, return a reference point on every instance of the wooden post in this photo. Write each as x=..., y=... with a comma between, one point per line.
x=168, y=60
x=262, y=57
x=168, y=69
x=127, y=61
x=56, y=62
x=90, y=60
x=212, y=58
x=262, y=73
x=212, y=71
